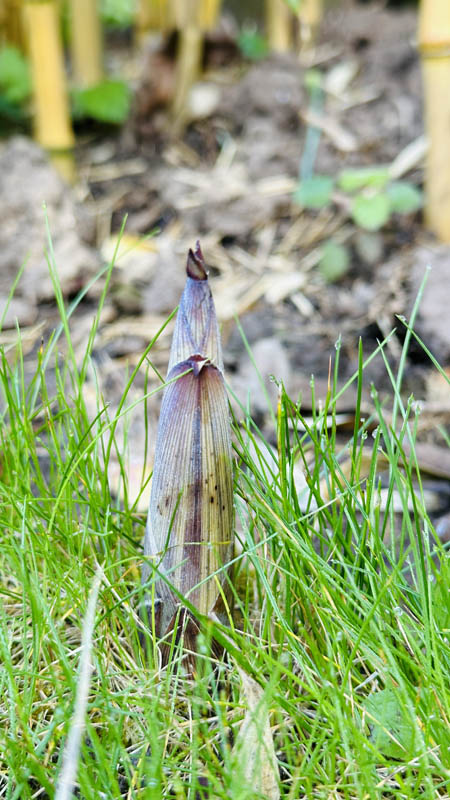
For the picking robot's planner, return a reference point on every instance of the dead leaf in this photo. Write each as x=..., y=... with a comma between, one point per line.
x=340, y=137
x=253, y=754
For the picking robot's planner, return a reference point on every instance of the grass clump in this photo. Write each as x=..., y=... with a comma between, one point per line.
x=342, y=606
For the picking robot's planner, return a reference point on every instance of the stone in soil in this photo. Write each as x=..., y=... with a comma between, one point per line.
x=28, y=182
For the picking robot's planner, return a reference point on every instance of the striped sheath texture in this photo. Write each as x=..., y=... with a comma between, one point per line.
x=190, y=520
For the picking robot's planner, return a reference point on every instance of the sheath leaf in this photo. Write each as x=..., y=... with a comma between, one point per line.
x=190, y=521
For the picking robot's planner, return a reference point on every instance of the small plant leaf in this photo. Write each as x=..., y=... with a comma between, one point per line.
x=117, y=13
x=15, y=77
x=404, y=197
x=314, y=192
x=390, y=730
x=109, y=102
x=334, y=261
x=252, y=45
x=313, y=79
x=371, y=212
x=351, y=180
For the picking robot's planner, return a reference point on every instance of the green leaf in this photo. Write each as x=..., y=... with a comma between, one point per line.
x=371, y=212
x=313, y=79
x=252, y=45
x=117, y=13
x=15, y=77
x=334, y=261
x=441, y=604
x=10, y=113
x=314, y=192
x=109, y=101
x=391, y=731
x=351, y=180
x=404, y=197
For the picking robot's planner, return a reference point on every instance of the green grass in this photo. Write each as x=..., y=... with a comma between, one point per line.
x=342, y=607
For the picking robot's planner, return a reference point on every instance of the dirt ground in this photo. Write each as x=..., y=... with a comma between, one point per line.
x=230, y=181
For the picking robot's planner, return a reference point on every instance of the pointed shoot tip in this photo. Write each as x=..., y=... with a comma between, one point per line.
x=195, y=266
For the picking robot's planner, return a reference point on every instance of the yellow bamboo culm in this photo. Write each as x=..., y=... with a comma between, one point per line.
x=3, y=22
x=86, y=42
x=52, y=124
x=310, y=16
x=200, y=13
x=151, y=16
x=279, y=26
x=191, y=18
x=11, y=27
x=209, y=14
x=434, y=44
x=188, y=67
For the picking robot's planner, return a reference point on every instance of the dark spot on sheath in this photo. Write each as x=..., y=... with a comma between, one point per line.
x=212, y=499
x=223, y=508
x=167, y=502
x=215, y=487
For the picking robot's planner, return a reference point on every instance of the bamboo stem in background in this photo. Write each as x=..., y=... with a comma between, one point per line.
x=209, y=14
x=86, y=42
x=279, y=24
x=191, y=18
x=188, y=67
x=11, y=24
x=151, y=15
x=434, y=44
x=310, y=16
x=3, y=22
x=52, y=124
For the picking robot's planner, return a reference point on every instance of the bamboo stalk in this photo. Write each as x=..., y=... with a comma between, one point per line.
x=52, y=124
x=11, y=25
x=191, y=18
x=310, y=16
x=279, y=21
x=151, y=15
x=185, y=17
x=189, y=58
x=209, y=14
x=86, y=42
x=3, y=22
x=434, y=44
